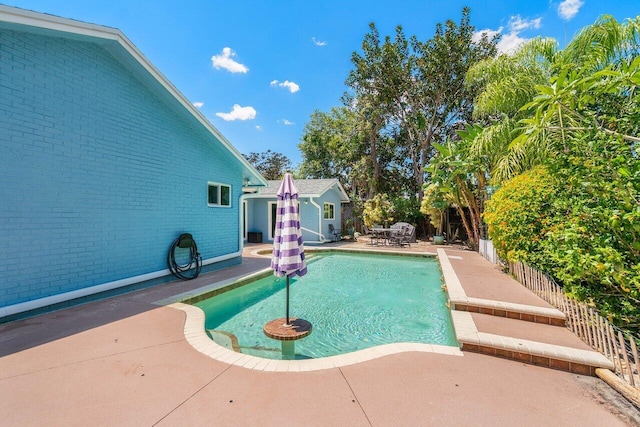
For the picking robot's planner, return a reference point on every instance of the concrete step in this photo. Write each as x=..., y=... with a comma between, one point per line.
x=459, y=300
x=529, y=313
x=511, y=342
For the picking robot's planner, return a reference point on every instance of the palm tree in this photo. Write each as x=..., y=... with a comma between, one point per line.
x=530, y=103
x=540, y=96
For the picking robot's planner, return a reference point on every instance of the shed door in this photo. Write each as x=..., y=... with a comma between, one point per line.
x=272, y=219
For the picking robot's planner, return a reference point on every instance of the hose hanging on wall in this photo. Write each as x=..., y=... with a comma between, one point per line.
x=184, y=241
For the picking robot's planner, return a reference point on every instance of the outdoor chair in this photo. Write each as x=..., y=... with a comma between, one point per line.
x=404, y=237
x=393, y=236
x=412, y=230
x=334, y=233
x=373, y=239
x=400, y=236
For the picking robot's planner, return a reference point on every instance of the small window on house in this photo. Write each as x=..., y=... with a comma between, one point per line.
x=218, y=194
x=329, y=211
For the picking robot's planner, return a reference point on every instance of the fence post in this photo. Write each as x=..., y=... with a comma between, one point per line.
x=604, y=350
x=619, y=367
x=610, y=342
x=585, y=315
x=602, y=345
x=626, y=357
x=567, y=312
x=574, y=313
x=634, y=351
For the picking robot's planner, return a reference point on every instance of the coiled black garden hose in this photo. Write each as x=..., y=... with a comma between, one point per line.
x=185, y=241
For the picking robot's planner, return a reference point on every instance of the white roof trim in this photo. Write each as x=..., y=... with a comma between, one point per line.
x=55, y=23
x=343, y=199
x=344, y=193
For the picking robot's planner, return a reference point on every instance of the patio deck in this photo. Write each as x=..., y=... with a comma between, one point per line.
x=126, y=361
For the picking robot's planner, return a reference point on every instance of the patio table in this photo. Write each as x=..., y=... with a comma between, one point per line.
x=385, y=233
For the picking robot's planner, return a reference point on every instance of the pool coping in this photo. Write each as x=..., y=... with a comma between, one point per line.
x=467, y=334
x=196, y=335
x=199, y=340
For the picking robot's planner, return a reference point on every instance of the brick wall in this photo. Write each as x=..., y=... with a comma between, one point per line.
x=98, y=172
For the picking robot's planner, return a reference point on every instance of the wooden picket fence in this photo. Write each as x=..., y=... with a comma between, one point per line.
x=582, y=319
x=585, y=322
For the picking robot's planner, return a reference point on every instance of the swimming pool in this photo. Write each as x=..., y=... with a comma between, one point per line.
x=353, y=301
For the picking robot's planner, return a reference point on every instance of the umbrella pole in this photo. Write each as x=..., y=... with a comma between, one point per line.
x=288, y=300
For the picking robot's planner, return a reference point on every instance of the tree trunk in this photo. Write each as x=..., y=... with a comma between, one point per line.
x=474, y=213
x=373, y=145
x=465, y=220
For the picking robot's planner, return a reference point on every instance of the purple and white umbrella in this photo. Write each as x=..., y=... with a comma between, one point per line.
x=287, y=258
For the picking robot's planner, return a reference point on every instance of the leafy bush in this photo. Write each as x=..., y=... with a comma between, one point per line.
x=596, y=240
x=578, y=218
x=434, y=205
x=407, y=210
x=518, y=216
x=378, y=210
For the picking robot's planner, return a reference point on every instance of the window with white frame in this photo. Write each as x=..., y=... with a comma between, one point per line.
x=329, y=211
x=218, y=194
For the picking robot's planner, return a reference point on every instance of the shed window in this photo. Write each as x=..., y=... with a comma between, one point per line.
x=218, y=194
x=329, y=211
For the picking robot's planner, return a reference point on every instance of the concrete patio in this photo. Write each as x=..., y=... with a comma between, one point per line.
x=126, y=361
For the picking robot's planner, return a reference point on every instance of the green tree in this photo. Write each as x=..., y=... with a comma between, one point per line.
x=270, y=164
x=333, y=146
x=595, y=241
x=418, y=87
x=461, y=180
x=582, y=125
x=540, y=97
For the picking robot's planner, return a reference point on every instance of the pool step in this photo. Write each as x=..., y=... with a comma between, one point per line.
x=529, y=313
x=552, y=355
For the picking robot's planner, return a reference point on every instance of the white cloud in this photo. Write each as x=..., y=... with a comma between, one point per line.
x=224, y=60
x=517, y=24
x=259, y=128
x=569, y=8
x=293, y=87
x=512, y=40
x=198, y=104
x=286, y=122
x=238, y=113
x=490, y=33
x=318, y=42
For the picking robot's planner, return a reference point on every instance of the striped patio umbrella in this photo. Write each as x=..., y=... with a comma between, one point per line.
x=287, y=258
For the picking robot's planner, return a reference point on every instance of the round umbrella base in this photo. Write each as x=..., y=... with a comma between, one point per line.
x=278, y=329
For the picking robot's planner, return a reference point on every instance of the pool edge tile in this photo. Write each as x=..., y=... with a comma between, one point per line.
x=197, y=337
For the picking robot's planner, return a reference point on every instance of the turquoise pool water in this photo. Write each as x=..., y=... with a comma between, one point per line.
x=353, y=301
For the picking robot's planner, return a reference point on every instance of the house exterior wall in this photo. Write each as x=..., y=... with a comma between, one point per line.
x=257, y=214
x=309, y=219
x=311, y=216
x=99, y=174
x=331, y=197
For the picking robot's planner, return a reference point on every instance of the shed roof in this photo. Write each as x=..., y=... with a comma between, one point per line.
x=308, y=188
x=121, y=48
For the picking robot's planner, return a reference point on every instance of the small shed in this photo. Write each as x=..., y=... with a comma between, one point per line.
x=320, y=206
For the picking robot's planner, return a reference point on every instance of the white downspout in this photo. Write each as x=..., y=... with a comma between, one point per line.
x=241, y=200
x=313, y=202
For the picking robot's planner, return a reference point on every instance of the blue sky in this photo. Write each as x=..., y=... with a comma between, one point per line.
x=258, y=69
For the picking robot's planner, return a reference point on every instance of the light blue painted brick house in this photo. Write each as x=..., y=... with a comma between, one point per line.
x=320, y=206
x=104, y=163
